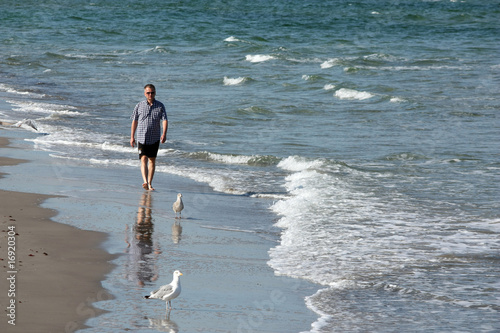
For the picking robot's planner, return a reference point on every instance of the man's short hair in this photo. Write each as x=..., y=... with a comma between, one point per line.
x=149, y=85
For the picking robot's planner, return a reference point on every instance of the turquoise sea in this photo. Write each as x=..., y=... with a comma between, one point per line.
x=368, y=130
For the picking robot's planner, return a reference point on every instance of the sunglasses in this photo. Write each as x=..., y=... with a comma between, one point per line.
x=150, y=92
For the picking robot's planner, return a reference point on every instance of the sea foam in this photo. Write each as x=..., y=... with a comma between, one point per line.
x=233, y=81
x=45, y=108
x=231, y=39
x=12, y=90
x=297, y=163
x=259, y=58
x=330, y=63
x=352, y=94
x=235, y=159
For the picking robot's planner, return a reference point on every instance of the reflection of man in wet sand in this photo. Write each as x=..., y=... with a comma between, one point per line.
x=146, y=121
x=140, y=247
x=144, y=227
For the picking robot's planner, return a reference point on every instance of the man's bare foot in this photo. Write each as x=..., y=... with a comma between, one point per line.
x=150, y=187
x=145, y=186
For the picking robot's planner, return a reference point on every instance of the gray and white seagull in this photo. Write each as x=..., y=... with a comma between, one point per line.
x=178, y=206
x=169, y=291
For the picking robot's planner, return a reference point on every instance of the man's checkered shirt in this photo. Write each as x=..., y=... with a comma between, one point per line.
x=149, y=119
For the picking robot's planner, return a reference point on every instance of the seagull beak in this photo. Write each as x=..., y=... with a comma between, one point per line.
x=180, y=273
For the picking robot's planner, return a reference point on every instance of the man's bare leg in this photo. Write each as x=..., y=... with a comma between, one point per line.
x=144, y=171
x=151, y=172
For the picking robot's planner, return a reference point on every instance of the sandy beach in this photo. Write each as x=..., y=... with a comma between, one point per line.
x=52, y=272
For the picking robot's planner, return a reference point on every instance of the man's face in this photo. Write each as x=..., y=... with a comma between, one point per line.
x=150, y=94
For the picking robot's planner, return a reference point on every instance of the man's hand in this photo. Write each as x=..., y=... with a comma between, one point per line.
x=163, y=138
x=133, y=128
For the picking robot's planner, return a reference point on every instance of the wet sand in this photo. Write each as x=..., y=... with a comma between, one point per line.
x=227, y=284
x=53, y=272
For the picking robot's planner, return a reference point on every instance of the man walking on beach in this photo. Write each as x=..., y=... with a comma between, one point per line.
x=146, y=120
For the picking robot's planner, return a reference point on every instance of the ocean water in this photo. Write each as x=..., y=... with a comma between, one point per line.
x=370, y=130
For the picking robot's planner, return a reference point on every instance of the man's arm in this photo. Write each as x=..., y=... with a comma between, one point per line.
x=165, y=128
x=133, y=128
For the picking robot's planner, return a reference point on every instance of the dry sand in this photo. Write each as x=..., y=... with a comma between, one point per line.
x=57, y=271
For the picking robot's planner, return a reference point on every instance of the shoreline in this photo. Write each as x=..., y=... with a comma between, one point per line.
x=46, y=261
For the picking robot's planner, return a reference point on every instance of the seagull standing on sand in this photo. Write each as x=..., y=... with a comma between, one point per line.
x=168, y=292
x=178, y=205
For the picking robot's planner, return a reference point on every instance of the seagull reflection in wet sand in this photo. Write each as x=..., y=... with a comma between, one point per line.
x=164, y=324
x=176, y=232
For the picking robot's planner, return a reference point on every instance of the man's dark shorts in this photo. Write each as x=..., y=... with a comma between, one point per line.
x=149, y=150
